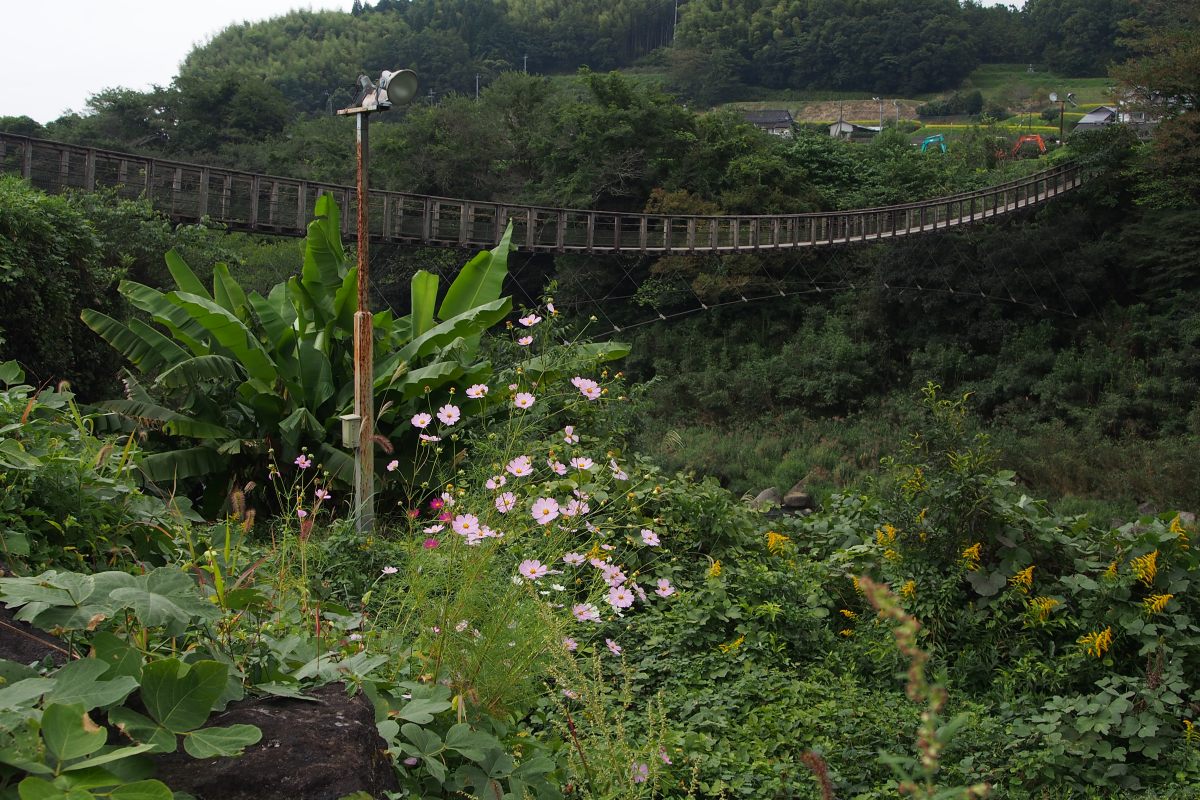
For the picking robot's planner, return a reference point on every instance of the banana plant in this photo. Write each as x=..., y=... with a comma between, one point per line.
x=224, y=376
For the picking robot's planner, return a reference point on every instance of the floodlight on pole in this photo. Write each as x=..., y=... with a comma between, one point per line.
x=393, y=89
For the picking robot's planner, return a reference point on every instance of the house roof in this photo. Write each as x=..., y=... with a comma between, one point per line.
x=768, y=118
x=1098, y=116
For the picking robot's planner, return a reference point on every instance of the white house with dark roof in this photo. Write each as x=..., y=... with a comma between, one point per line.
x=777, y=122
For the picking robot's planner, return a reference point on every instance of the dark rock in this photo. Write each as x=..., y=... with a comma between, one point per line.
x=798, y=497
x=309, y=751
x=768, y=498
x=1187, y=519
x=1147, y=509
x=25, y=644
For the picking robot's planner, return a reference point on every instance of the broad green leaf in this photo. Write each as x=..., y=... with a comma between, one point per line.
x=24, y=692
x=465, y=325
x=339, y=463
x=11, y=373
x=345, y=300
x=423, y=287
x=181, y=696
x=13, y=456
x=278, y=328
x=118, y=656
x=147, y=414
x=69, y=733
x=316, y=375
x=480, y=281
x=176, y=465
x=321, y=276
x=185, y=279
x=226, y=291
x=144, y=347
x=109, y=757
x=227, y=741
x=185, y=329
x=421, y=710
x=424, y=742
x=142, y=790
x=470, y=743
x=412, y=384
x=163, y=596
x=141, y=728
x=78, y=683
x=583, y=354
x=201, y=369
x=230, y=332
x=39, y=789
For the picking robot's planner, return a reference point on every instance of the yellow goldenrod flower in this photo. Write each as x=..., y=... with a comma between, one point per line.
x=1155, y=603
x=1023, y=579
x=714, y=570
x=915, y=484
x=1177, y=525
x=1189, y=731
x=1040, y=607
x=1111, y=572
x=1097, y=642
x=734, y=645
x=921, y=516
x=885, y=535
x=891, y=555
x=909, y=590
x=775, y=542
x=1146, y=567
x=972, y=555
x=848, y=614
x=846, y=632
x=854, y=580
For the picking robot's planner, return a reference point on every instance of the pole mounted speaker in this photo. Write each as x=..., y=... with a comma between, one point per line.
x=400, y=87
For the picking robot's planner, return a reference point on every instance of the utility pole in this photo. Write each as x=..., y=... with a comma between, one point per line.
x=525, y=67
x=476, y=85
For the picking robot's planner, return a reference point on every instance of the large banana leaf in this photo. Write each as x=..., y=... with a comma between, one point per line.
x=148, y=349
x=177, y=465
x=424, y=289
x=480, y=281
x=227, y=293
x=201, y=369
x=464, y=326
x=185, y=329
x=185, y=279
x=230, y=332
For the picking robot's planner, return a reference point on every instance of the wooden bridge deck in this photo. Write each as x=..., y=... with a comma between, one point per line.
x=282, y=206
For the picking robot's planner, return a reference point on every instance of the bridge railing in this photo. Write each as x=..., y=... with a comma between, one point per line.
x=281, y=205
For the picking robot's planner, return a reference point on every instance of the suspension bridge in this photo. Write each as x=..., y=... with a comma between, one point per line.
x=270, y=204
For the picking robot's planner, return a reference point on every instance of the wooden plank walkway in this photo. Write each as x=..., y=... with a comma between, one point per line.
x=271, y=204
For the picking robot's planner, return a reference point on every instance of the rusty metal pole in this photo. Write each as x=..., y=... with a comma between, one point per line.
x=364, y=364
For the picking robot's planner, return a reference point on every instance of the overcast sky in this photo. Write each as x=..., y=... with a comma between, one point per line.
x=54, y=54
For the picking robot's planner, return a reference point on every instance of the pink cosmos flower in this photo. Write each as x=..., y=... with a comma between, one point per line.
x=581, y=462
x=613, y=575
x=411, y=761
x=465, y=524
x=393, y=465
x=430, y=543
x=608, y=547
x=525, y=341
x=620, y=597
x=550, y=307
x=449, y=414
x=591, y=392
x=432, y=528
x=303, y=461
x=649, y=537
x=477, y=391
x=573, y=559
x=665, y=589
x=613, y=647
x=390, y=570
x=322, y=495
x=425, y=437
x=444, y=516
x=662, y=753
x=570, y=694
x=532, y=569
x=523, y=400
x=569, y=435
x=461, y=626
x=512, y=387
x=570, y=644
x=545, y=510
x=574, y=508
x=640, y=772
x=639, y=591
x=530, y=321
x=301, y=513
x=585, y=612
x=495, y=482
x=421, y=420
x=617, y=472
x=520, y=466
x=557, y=467
x=506, y=502
x=436, y=503
x=598, y=563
